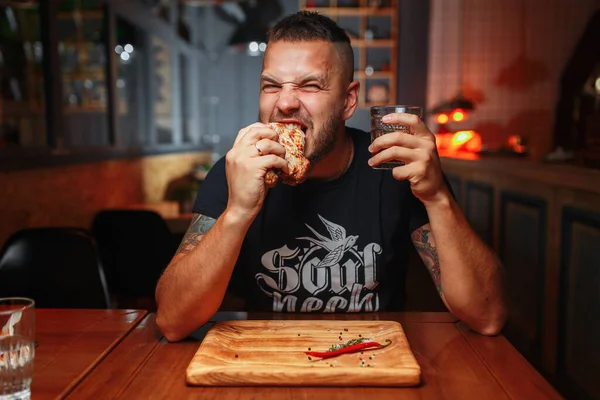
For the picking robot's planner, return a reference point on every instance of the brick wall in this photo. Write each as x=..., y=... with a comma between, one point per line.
x=513, y=55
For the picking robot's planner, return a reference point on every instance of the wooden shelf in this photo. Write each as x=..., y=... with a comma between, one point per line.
x=374, y=75
x=373, y=43
x=98, y=75
x=385, y=59
x=83, y=69
x=353, y=11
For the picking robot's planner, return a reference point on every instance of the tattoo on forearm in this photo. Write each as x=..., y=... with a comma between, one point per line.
x=425, y=246
x=198, y=228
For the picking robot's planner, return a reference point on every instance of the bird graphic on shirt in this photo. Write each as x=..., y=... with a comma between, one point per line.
x=337, y=245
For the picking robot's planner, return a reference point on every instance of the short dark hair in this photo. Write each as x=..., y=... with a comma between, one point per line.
x=308, y=26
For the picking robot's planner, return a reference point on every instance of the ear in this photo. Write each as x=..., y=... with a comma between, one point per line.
x=351, y=101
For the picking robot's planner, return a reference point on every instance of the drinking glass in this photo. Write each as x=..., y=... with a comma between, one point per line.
x=17, y=347
x=379, y=128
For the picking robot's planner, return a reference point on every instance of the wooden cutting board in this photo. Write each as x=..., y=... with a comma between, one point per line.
x=272, y=353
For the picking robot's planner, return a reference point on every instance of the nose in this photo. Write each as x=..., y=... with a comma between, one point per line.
x=287, y=101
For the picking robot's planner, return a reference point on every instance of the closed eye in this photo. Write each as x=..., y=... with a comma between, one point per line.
x=312, y=87
x=270, y=88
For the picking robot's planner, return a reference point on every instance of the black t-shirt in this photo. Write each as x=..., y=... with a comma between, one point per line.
x=337, y=246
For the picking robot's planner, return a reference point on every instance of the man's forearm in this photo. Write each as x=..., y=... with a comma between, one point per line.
x=193, y=285
x=471, y=275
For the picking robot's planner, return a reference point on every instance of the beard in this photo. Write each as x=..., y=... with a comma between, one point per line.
x=321, y=142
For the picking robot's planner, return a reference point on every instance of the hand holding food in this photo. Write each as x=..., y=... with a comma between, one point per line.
x=255, y=151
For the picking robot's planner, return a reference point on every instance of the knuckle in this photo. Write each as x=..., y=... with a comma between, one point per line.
x=246, y=167
x=394, y=136
x=431, y=146
x=427, y=158
x=397, y=173
x=230, y=156
x=377, y=157
x=251, y=132
x=413, y=119
x=273, y=160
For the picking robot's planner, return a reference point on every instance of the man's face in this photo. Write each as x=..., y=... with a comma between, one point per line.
x=304, y=82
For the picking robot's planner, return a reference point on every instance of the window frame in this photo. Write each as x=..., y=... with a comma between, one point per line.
x=140, y=16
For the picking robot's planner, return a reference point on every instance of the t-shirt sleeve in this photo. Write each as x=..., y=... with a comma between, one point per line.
x=212, y=196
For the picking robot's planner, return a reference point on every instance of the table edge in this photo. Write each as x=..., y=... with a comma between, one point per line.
x=463, y=329
x=86, y=372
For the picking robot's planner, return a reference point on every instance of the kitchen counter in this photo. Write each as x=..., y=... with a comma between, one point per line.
x=563, y=175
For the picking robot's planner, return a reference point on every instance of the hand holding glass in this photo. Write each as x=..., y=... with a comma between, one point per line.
x=378, y=127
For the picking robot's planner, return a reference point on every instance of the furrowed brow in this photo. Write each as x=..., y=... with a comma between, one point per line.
x=309, y=78
x=269, y=79
x=314, y=78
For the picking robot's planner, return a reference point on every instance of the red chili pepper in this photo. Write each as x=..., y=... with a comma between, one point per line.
x=348, y=349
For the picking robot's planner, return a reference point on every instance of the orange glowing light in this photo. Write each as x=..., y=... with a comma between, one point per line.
x=466, y=141
x=515, y=142
x=443, y=141
x=442, y=118
x=461, y=137
x=459, y=115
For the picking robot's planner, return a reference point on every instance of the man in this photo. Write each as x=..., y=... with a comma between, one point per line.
x=337, y=242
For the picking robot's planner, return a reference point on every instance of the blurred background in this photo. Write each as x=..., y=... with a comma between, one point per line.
x=123, y=97
x=109, y=109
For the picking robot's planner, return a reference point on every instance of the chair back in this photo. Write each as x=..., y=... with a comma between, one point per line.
x=135, y=247
x=58, y=267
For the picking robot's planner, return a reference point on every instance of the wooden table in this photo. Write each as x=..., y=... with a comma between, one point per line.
x=456, y=364
x=72, y=343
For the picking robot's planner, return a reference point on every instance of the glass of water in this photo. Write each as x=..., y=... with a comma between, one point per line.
x=379, y=128
x=17, y=347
